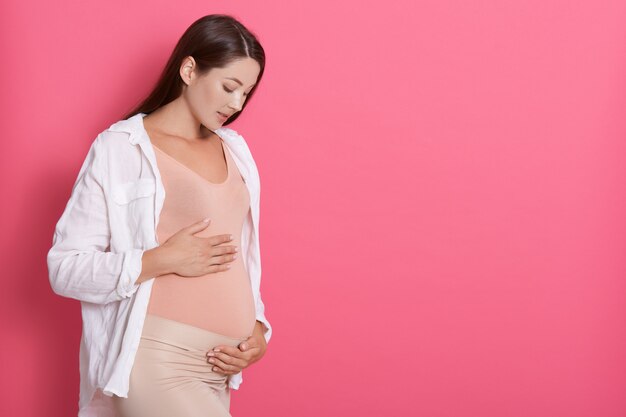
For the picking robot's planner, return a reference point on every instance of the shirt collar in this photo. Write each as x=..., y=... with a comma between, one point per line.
x=134, y=126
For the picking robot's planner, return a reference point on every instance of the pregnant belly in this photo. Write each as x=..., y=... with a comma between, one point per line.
x=220, y=302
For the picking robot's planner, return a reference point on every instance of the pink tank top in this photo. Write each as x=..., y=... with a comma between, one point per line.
x=220, y=302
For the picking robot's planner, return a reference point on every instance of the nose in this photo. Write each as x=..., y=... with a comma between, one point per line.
x=236, y=104
x=236, y=107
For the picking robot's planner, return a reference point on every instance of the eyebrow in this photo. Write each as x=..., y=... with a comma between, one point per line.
x=235, y=79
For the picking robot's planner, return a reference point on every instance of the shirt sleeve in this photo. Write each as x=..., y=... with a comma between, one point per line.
x=260, y=307
x=260, y=316
x=80, y=264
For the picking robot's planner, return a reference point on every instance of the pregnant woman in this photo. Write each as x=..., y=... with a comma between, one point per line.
x=159, y=240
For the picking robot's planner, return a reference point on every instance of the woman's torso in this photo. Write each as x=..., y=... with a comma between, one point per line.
x=221, y=302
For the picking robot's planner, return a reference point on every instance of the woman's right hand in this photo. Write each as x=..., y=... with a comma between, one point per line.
x=192, y=256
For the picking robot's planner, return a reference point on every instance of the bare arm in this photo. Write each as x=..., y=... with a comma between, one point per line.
x=153, y=265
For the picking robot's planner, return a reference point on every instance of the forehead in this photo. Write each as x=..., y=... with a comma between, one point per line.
x=245, y=70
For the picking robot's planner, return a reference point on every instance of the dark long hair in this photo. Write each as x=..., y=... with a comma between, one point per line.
x=213, y=41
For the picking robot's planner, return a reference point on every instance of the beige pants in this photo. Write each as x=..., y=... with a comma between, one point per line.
x=171, y=376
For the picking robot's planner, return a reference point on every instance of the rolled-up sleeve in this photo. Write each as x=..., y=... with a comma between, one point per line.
x=80, y=264
x=260, y=316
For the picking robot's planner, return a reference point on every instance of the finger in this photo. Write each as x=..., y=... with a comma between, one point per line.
x=228, y=350
x=228, y=360
x=197, y=226
x=217, y=370
x=222, y=259
x=224, y=250
x=249, y=343
x=217, y=268
x=246, y=359
x=219, y=239
x=224, y=366
x=231, y=355
x=216, y=260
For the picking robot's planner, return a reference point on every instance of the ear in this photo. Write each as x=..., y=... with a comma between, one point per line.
x=187, y=69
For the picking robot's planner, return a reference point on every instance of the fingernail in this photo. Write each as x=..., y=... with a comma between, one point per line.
x=217, y=350
x=206, y=220
x=210, y=354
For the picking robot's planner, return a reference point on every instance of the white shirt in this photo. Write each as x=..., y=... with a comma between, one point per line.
x=108, y=223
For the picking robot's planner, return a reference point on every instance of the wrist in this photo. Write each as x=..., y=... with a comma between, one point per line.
x=154, y=263
x=260, y=330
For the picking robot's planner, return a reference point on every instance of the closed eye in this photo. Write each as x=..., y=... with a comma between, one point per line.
x=230, y=91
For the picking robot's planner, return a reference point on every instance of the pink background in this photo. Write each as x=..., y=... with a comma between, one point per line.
x=443, y=210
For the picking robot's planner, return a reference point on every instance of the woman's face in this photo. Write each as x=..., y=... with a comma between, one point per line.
x=220, y=90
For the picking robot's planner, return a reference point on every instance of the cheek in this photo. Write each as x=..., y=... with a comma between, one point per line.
x=202, y=100
x=215, y=97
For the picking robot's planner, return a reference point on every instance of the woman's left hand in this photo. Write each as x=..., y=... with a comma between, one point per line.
x=230, y=360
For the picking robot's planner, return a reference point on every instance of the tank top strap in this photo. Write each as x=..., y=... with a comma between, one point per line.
x=233, y=171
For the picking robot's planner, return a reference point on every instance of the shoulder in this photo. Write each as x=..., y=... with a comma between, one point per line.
x=114, y=143
x=110, y=139
x=231, y=135
x=123, y=134
x=115, y=157
x=237, y=143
